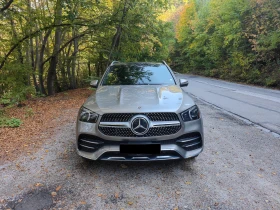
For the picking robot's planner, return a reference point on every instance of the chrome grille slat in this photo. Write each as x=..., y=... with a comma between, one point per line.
x=91, y=142
x=115, y=124
x=87, y=146
x=190, y=145
x=164, y=123
x=188, y=140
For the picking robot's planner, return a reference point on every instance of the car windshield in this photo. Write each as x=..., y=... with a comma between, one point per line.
x=134, y=74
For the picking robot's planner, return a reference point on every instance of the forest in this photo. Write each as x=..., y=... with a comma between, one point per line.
x=236, y=40
x=49, y=46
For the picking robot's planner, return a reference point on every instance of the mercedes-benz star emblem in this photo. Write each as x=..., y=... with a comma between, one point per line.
x=140, y=125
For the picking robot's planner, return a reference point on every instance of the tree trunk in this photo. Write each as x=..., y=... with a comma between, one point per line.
x=8, y=4
x=116, y=39
x=28, y=62
x=41, y=63
x=89, y=70
x=33, y=65
x=53, y=62
x=74, y=59
x=68, y=65
x=20, y=56
x=63, y=72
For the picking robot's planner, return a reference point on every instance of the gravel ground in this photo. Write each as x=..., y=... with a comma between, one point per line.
x=239, y=169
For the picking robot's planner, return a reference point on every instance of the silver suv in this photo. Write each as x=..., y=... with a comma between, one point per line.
x=139, y=113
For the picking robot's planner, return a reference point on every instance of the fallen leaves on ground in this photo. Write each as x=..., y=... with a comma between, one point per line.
x=130, y=203
x=54, y=194
x=38, y=185
x=58, y=188
x=48, y=114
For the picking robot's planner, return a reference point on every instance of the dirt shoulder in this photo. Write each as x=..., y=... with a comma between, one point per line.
x=40, y=117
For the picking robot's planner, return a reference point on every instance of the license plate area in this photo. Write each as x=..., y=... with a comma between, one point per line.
x=147, y=149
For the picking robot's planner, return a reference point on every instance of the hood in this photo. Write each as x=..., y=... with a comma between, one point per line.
x=138, y=99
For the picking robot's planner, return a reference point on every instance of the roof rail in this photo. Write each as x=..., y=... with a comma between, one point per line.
x=164, y=63
x=113, y=62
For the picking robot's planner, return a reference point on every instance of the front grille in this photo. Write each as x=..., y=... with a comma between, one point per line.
x=126, y=132
x=125, y=117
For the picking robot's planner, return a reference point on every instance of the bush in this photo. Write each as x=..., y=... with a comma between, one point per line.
x=214, y=73
x=6, y=99
x=271, y=82
x=16, y=97
x=12, y=122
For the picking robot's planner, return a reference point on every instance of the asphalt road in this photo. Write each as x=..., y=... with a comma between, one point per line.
x=239, y=169
x=259, y=105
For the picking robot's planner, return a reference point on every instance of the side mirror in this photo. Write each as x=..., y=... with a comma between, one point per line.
x=183, y=83
x=94, y=83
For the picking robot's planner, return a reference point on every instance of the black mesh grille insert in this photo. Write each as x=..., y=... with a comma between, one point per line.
x=126, y=132
x=125, y=117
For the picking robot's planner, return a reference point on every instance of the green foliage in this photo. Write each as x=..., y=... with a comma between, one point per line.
x=40, y=95
x=10, y=122
x=2, y=112
x=230, y=39
x=271, y=82
x=37, y=53
x=16, y=96
x=6, y=99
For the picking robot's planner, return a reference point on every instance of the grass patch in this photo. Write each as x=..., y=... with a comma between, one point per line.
x=10, y=122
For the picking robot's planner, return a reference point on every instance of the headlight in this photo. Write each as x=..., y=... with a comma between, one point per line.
x=191, y=114
x=86, y=115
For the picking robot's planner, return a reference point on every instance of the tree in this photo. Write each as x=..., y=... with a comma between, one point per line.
x=230, y=39
x=6, y=6
x=58, y=45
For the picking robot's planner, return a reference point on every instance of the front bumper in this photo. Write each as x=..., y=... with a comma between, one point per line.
x=187, y=143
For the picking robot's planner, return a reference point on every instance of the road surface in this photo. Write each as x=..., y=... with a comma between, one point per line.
x=259, y=105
